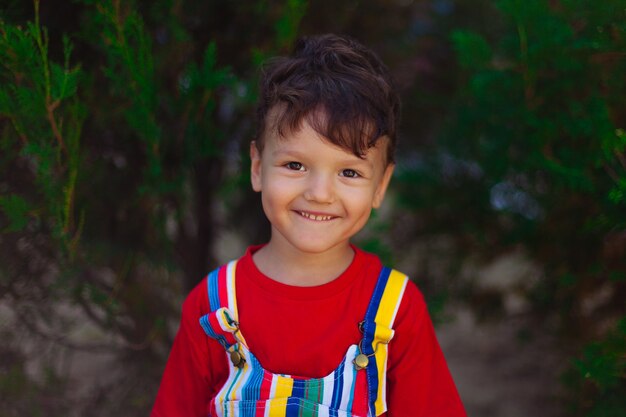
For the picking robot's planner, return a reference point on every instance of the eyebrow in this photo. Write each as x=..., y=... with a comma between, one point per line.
x=289, y=152
x=355, y=160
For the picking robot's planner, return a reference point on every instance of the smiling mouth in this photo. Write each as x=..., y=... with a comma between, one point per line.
x=316, y=217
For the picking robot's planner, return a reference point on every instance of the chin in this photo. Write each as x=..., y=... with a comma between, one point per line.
x=318, y=248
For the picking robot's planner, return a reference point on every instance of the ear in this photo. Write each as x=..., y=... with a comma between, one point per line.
x=255, y=167
x=379, y=194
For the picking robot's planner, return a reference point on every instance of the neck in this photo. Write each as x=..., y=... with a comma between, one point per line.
x=290, y=266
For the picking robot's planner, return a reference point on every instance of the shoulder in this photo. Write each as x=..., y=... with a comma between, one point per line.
x=413, y=296
x=372, y=266
x=196, y=302
x=409, y=300
x=411, y=307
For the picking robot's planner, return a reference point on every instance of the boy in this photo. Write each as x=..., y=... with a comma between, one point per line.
x=312, y=325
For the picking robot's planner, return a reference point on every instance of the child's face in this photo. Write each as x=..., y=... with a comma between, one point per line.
x=315, y=194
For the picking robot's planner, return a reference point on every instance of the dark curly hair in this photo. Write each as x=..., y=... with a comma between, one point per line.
x=340, y=87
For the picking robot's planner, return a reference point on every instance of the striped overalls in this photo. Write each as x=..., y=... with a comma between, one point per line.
x=357, y=388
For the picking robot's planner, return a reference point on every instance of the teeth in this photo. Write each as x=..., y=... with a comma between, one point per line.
x=314, y=217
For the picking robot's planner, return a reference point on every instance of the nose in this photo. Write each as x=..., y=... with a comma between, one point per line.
x=320, y=188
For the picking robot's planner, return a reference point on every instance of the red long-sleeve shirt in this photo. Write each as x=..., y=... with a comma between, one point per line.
x=306, y=331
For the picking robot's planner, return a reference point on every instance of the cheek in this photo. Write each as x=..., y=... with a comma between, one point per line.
x=270, y=207
x=275, y=197
x=359, y=199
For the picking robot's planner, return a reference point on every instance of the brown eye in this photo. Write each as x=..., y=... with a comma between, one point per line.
x=295, y=166
x=350, y=173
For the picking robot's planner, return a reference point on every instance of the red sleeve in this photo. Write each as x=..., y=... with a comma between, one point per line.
x=419, y=382
x=194, y=367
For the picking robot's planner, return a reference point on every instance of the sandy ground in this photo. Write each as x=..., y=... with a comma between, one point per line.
x=496, y=373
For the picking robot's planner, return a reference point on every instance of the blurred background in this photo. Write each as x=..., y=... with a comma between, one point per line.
x=124, y=129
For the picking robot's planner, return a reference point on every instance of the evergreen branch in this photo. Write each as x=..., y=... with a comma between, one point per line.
x=42, y=44
x=67, y=51
x=50, y=107
x=18, y=77
x=79, y=231
x=137, y=62
x=69, y=200
x=125, y=48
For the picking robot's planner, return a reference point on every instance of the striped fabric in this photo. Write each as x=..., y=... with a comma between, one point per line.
x=377, y=332
x=251, y=391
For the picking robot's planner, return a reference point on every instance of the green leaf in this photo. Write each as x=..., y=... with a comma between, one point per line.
x=64, y=82
x=30, y=102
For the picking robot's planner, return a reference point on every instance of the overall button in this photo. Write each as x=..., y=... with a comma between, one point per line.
x=361, y=361
x=237, y=359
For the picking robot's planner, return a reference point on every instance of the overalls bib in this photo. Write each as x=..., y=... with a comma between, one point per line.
x=356, y=388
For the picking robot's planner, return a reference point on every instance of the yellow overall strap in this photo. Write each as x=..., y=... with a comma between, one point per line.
x=378, y=331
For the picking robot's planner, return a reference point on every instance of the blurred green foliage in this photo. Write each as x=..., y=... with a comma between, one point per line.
x=597, y=378
x=38, y=97
x=114, y=166
x=533, y=156
x=124, y=127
